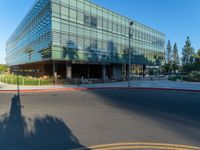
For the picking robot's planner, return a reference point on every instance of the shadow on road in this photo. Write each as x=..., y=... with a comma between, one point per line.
x=178, y=112
x=18, y=132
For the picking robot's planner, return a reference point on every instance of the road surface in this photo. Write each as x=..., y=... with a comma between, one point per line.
x=83, y=118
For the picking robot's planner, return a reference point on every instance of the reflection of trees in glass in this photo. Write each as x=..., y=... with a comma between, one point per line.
x=92, y=53
x=90, y=21
x=46, y=53
x=105, y=58
x=94, y=56
x=70, y=51
x=93, y=21
x=158, y=61
x=111, y=47
x=136, y=58
x=29, y=51
x=93, y=45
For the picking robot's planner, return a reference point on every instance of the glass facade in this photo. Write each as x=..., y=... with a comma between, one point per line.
x=81, y=31
x=31, y=41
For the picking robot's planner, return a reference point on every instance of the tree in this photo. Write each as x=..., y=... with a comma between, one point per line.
x=176, y=60
x=167, y=68
x=168, y=52
x=188, y=53
x=3, y=68
x=197, y=61
x=198, y=53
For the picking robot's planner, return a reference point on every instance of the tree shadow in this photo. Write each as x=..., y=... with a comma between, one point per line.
x=18, y=132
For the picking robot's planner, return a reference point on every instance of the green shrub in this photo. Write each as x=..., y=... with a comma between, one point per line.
x=24, y=80
x=194, y=76
x=172, y=78
x=3, y=68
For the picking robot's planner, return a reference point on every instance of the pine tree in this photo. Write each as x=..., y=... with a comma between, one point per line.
x=197, y=61
x=168, y=58
x=169, y=52
x=176, y=60
x=198, y=53
x=188, y=53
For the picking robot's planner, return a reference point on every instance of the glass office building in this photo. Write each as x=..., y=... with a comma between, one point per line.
x=77, y=38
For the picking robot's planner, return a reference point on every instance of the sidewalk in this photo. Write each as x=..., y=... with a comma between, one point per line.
x=135, y=84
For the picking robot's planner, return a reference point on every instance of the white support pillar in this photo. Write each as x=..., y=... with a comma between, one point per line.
x=55, y=72
x=104, y=72
x=68, y=70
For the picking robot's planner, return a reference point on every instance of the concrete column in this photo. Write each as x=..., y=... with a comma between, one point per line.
x=104, y=72
x=124, y=70
x=55, y=72
x=88, y=71
x=68, y=70
x=117, y=71
x=127, y=71
x=143, y=70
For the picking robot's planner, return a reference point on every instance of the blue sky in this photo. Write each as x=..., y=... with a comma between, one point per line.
x=176, y=18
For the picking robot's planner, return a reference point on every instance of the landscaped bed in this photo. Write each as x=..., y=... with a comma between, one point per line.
x=24, y=80
x=194, y=76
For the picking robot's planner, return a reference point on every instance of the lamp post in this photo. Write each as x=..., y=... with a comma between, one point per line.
x=129, y=55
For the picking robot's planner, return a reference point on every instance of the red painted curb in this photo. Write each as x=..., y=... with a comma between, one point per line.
x=100, y=88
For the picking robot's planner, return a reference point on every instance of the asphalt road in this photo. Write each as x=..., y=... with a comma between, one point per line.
x=72, y=119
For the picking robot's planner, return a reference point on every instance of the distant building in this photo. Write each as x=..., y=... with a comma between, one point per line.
x=77, y=38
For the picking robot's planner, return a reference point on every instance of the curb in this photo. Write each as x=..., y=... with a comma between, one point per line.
x=141, y=145
x=98, y=88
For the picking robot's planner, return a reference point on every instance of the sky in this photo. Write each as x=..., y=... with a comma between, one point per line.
x=176, y=18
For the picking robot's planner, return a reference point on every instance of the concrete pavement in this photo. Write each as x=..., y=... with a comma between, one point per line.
x=137, y=84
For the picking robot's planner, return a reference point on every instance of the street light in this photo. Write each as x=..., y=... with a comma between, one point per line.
x=129, y=55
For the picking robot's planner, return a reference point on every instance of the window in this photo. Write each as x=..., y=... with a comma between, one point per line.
x=99, y=45
x=99, y=23
x=105, y=24
x=80, y=43
x=87, y=20
x=64, y=11
x=110, y=25
x=87, y=32
x=93, y=44
x=72, y=14
x=114, y=27
x=64, y=27
x=72, y=29
x=80, y=17
x=93, y=22
x=87, y=43
x=90, y=21
x=72, y=42
x=80, y=4
x=55, y=8
x=80, y=31
x=56, y=25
